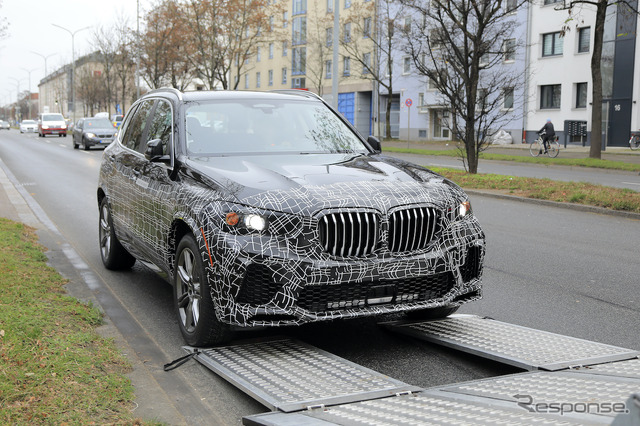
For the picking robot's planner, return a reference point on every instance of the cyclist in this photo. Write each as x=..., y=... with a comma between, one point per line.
x=547, y=132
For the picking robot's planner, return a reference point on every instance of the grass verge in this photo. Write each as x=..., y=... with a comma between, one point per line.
x=54, y=367
x=575, y=162
x=546, y=189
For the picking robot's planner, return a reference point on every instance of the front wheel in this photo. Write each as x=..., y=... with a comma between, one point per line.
x=192, y=298
x=554, y=149
x=114, y=256
x=535, y=148
x=432, y=313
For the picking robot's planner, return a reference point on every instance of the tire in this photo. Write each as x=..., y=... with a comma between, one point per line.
x=114, y=256
x=554, y=149
x=192, y=298
x=75, y=145
x=535, y=149
x=84, y=145
x=432, y=313
x=634, y=142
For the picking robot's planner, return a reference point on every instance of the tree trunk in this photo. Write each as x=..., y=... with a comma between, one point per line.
x=595, y=151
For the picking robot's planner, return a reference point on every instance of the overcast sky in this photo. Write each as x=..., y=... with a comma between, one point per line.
x=30, y=30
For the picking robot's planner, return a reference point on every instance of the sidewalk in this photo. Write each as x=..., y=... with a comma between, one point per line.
x=573, y=150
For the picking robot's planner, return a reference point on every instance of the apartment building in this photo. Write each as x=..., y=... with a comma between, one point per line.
x=559, y=83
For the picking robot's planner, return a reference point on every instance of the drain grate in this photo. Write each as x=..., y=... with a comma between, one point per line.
x=512, y=344
x=289, y=375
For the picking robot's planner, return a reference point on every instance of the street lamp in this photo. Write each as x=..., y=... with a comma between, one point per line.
x=45, y=60
x=17, y=83
x=73, y=66
x=30, y=71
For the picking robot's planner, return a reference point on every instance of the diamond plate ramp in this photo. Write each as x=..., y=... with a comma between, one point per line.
x=630, y=369
x=416, y=409
x=289, y=375
x=511, y=344
x=555, y=392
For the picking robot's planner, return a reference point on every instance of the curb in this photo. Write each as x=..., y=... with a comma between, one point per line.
x=568, y=206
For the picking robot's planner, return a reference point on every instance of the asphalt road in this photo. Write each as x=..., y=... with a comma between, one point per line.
x=554, y=269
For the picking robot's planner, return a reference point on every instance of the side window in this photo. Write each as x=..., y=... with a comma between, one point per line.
x=160, y=127
x=135, y=129
x=80, y=123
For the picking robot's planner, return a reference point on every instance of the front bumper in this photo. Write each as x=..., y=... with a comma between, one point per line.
x=253, y=288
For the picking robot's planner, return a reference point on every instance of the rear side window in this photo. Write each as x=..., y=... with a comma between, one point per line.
x=135, y=129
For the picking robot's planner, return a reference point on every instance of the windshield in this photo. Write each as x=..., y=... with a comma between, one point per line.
x=52, y=117
x=97, y=123
x=28, y=122
x=266, y=126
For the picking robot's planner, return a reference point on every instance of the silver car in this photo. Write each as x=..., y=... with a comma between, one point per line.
x=28, y=126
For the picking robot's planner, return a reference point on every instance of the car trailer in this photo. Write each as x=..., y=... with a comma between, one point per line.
x=569, y=381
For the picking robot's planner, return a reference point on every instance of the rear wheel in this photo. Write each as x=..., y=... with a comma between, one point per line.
x=192, y=298
x=634, y=142
x=114, y=256
x=554, y=149
x=432, y=313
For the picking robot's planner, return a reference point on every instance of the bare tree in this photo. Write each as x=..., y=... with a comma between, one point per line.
x=4, y=26
x=371, y=45
x=459, y=47
x=91, y=90
x=162, y=60
x=105, y=42
x=319, y=46
x=123, y=63
x=601, y=6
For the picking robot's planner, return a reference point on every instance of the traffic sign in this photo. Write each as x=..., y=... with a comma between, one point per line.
x=408, y=102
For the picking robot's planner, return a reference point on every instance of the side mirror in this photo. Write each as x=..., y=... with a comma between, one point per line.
x=155, y=151
x=374, y=143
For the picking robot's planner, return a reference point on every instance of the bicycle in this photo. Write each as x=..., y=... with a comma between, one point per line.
x=537, y=147
x=634, y=141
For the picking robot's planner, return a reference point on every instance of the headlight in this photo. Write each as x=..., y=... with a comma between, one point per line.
x=64, y=126
x=464, y=208
x=91, y=135
x=45, y=127
x=246, y=221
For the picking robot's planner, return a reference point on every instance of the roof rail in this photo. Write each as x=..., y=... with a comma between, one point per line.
x=166, y=89
x=299, y=92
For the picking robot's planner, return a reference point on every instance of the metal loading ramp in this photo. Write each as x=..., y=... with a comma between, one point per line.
x=510, y=344
x=289, y=375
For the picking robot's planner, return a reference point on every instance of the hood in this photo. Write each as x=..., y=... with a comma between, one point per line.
x=311, y=182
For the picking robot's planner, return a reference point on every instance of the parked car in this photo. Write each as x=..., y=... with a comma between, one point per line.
x=92, y=131
x=52, y=124
x=270, y=209
x=4, y=125
x=28, y=126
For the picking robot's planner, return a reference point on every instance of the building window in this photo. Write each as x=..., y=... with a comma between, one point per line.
x=346, y=67
x=329, y=37
x=329, y=6
x=284, y=75
x=509, y=48
x=299, y=30
x=366, y=63
x=407, y=24
x=270, y=23
x=258, y=54
x=299, y=7
x=270, y=77
x=258, y=79
x=347, y=4
x=284, y=48
x=584, y=39
x=481, y=102
x=507, y=98
x=298, y=83
x=298, y=60
x=421, y=100
x=246, y=81
x=366, y=27
x=422, y=133
x=550, y=96
x=551, y=44
x=328, y=67
x=552, y=1
x=511, y=5
x=270, y=50
x=285, y=19
x=406, y=65
x=346, y=32
x=581, y=95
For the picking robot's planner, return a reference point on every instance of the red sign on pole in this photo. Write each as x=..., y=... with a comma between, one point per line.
x=408, y=102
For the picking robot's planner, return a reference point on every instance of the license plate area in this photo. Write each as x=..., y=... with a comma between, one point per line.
x=381, y=294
